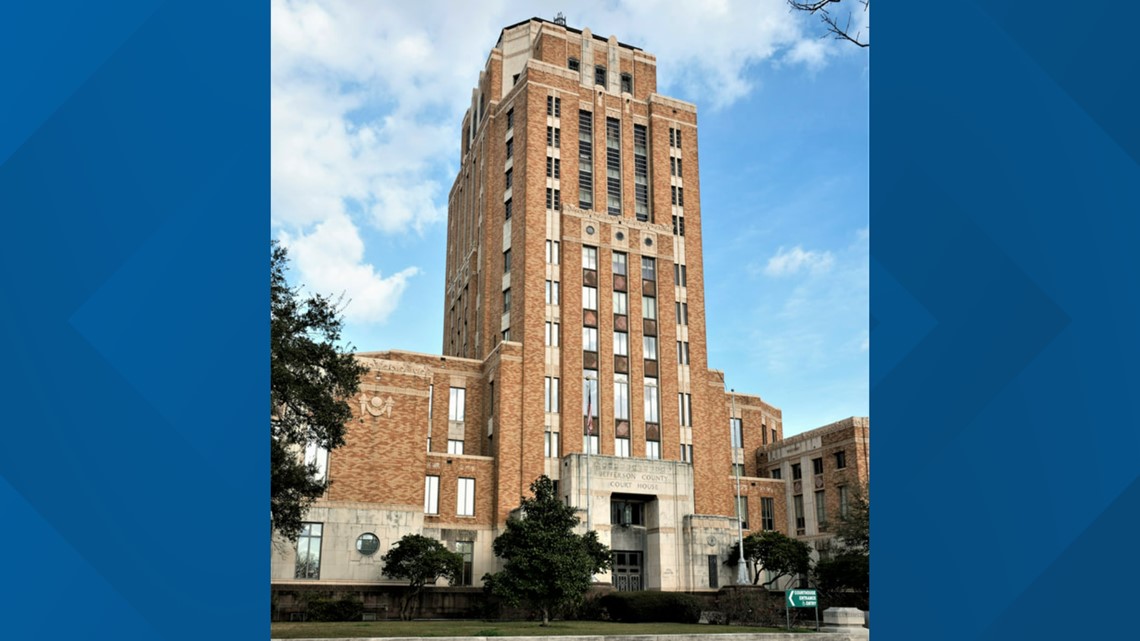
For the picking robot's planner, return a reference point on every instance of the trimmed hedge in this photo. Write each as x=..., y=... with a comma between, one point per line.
x=652, y=607
x=343, y=609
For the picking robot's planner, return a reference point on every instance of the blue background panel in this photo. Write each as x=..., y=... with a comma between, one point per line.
x=1005, y=310
x=134, y=185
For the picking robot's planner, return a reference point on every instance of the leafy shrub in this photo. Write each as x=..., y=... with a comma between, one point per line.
x=659, y=607
x=345, y=608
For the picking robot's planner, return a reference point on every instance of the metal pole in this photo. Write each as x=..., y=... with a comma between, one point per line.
x=589, y=446
x=741, y=570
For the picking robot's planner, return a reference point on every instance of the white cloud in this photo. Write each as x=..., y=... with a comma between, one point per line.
x=367, y=98
x=795, y=260
x=330, y=257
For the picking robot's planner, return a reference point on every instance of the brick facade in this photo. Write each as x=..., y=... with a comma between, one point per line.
x=522, y=123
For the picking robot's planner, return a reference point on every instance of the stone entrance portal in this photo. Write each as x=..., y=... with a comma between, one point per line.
x=637, y=507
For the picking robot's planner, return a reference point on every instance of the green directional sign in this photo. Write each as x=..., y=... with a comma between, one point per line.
x=801, y=598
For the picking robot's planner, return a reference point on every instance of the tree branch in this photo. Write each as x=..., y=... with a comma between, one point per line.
x=832, y=24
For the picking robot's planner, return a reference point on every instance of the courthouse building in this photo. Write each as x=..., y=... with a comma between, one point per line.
x=573, y=346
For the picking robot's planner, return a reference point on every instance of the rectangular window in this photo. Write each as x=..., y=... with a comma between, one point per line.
x=737, y=432
x=553, y=198
x=309, y=551
x=465, y=497
x=551, y=394
x=767, y=514
x=653, y=450
x=454, y=446
x=843, y=500
x=651, y=401
x=683, y=352
x=672, y=166
x=776, y=473
x=599, y=75
x=552, y=334
x=773, y=435
x=686, y=453
x=619, y=263
x=552, y=292
x=626, y=83
x=466, y=549
x=648, y=268
x=685, y=403
x=550, y=448
x=431, y=495
x=682, y=313
x=681, y=198
x=511, y=118
x=506, y=300
x=510, y=147
x=627, y=513
x=589, y=297
x=317, y=459
x=798, y=504
x=552, y=250
x=649, y=308
x=507, y=210
x=621, y=447
x=714, y=565
x=572, y=64
x=820, y=510
x=621, y=397
x=510, y=172
x=640, y=173
x=649, y=347
x=585, y=160
x=738, y=469
x=621, y=303
x=840, y=459
x=456, y=405
x=621, y=344
x=613, y=166
x=507, y=262
x=590, y=339
x=742, y=511
x=796, y=473
x=680, y=169
x=817, y=466
x=589, y=257
x=678, y=274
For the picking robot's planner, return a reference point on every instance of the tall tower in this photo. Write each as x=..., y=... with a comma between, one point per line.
x=574, y=228
x=574, y=322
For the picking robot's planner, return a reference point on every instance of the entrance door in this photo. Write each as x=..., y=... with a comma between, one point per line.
x=627, y=570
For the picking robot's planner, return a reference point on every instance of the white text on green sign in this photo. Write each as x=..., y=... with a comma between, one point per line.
x=802, y=598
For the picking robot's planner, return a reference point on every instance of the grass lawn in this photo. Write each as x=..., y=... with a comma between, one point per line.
x=493, y=628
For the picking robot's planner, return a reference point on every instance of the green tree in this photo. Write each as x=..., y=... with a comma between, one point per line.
x=420, y=560
x=773, y=551
x=854, y=527
x=547, y=566
x=847, y=576
x=311, y=380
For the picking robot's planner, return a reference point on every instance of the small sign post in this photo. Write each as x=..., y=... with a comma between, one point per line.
x=800, y=599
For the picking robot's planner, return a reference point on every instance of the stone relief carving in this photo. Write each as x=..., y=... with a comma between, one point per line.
x=377, y=406
x=396, y=367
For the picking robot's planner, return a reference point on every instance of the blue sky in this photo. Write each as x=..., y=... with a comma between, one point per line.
x=367, y=102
